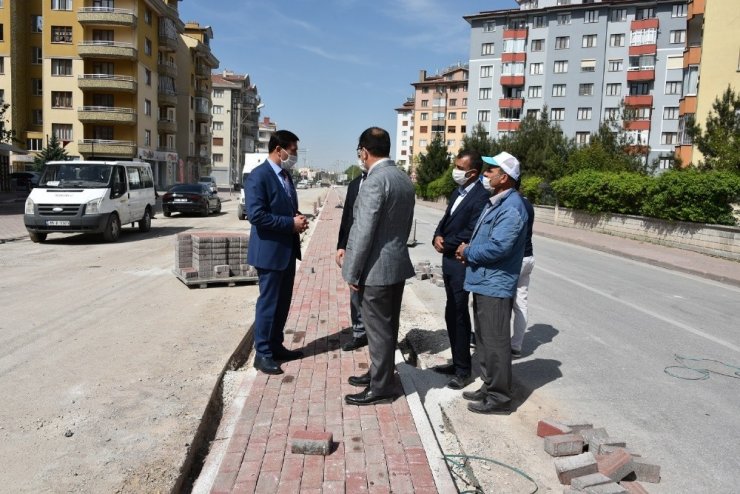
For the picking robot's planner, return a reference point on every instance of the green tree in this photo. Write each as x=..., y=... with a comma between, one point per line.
x=352, y=172
x=52, y=152
x=7, y=135
x=720, y=142
x=478, y=141
x=432, y=164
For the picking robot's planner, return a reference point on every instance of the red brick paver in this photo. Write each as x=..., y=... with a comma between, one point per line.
x=376, y=448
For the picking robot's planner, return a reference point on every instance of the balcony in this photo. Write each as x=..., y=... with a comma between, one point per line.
x=107, y=49
x=692, y=56
x=166, y=68
x=696, y=7
x=166, y=98
x=640, y=74
x=167, y=43
x=644, y=24
x=166, y=126
x=511, y=103
x=648, y=49
x=513, y=57
x=202, y=93
x=515, y=33
x=512, y=80
x=107, y=114
x=688, y=105
x=637, y=125
x=116, y=83
x=508, y=125
x=103, y=147
x=202, y=139
x=638, y=100
x=106, y=16
x=202, y=115
x=202, y=70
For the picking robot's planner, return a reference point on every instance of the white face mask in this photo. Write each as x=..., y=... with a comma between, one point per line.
x=486, y=183
x=361, y=164
x=289, y=162
x=458, y=176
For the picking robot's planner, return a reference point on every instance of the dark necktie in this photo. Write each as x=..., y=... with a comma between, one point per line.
x=287, y=183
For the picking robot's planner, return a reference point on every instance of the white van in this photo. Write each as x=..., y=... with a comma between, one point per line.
x=91, y=197
x=251, y=161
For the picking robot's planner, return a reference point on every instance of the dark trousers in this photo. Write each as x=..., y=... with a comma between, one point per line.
x=273, y=305
x=355, y=312
x=381, y=312
x=457, y=315
x=492, y=318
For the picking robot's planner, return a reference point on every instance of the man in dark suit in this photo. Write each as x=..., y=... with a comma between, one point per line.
x=359, y=338
x=377, y=261
x=274, y=246
x=456, y=227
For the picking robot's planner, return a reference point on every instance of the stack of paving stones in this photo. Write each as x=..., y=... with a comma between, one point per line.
x=589, y=460
x=425, y=271
x=212, y=256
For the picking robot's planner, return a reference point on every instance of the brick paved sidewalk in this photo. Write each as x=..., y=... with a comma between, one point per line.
x=376, y=448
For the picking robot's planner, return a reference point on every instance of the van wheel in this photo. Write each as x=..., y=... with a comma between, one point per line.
x=166, y=213
x=112, y=229
x=205, y=210
x=240, y=213
x=145, y=223
x=218, y=207
x=37, y=237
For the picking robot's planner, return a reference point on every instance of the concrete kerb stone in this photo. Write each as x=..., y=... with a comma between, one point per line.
x=581, y=483
x=564, y=444
x=310, y=442
x=616, y=465
x=551, y=427
x=592, y=437
x=646, y=472
x=570, y=467
x=610, y=488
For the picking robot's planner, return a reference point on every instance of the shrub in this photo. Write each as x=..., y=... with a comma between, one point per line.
x=441, y=187
x=532, y=188
x=602, y=192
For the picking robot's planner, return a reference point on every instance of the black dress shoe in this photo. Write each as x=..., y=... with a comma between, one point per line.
x=267, y=365
x=476, y=395
x=459, y=382
x=285, y=354
x=361, y=381
x=368, y=397
x=446, y=369
x=355, y=343
x=490, y=407
x=515, y=354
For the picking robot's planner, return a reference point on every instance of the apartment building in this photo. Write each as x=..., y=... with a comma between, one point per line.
x=236, y=104
x=440, y=109
x=712, y=56
x=404, y=134
x=585, y=60
x=266, y=128
x=101, y=75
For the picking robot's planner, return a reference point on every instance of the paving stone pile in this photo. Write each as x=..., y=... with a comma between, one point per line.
x=589, y=460
x=425, y=271
x=212, y=255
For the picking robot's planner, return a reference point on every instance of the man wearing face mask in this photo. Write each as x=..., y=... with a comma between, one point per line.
x=456, y=227
x=274, y=246
x=494, y=260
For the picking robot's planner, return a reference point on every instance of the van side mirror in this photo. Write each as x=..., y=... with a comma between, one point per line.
x=116, y=191
x=237, y=186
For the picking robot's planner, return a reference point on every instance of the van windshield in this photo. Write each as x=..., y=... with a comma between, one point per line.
x=73, y=174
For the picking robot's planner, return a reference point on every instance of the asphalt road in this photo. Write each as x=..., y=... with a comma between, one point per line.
x=603, y=339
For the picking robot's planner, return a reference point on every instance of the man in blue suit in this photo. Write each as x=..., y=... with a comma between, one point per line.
x=456, y=227
x=274, y=246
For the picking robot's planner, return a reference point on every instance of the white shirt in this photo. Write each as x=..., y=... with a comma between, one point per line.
x=463, y=193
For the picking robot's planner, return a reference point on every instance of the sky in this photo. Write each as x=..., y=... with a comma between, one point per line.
x=328, y=69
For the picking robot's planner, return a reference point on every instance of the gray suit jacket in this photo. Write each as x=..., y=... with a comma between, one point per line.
x=377, y=253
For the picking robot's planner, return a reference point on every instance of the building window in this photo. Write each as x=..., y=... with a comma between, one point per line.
x=218, y=125
x=616, y=40
x=37, y=57
x=678, y=36
x=558, y=90
x=641, y=113
x=665, y=163
x=534, y=92
x=591, y=16
x=619, y=15
x=148, y=77
x=589, y=41
x=61, y=99
x=61, y=34
x=537, y=45
x=611, y=113
x=452, y=115
x=484, y=93
x=642, y=62
x=669, y=138
x=37, y=117
x=536, y=68
x=61, y=4
x=485, y=70
x=465, y=101
x=147, y=107
x=588, y=65
x=616, y=65
x=510, y=114
x=2, y=65
x=584, y=114
x=34, y=145
x=562, y=42
x=538, y=21
x=37, y=23
x=147, y=138
x=453, y=101
x=218, y=93
x=218, y=158
x=424, y=90
x=451, y=129
x=486, y=49
x=424, y=116
x=679, y=10
x=218, y=109
x=673, y=87
x=218, y=141
x=37, y=88
x=586, y=89
x=148, y=16
x=583, y=137
x=422, y=143
x=63, y=132
x=557, y=114
x=644, y=13
x=423, y=129
x=684, y=138
x=489, y=26
x=614, y=89
x=512, y=68
x=560, y=66
x=61, y=67
x=463, y=116
x=563, y=19
x=147, y=46
x=643, y=37
x=424, y=103
x=691, y=80
x=514, y=45
x=484, y=115
x=670, y=113
x=533, y=113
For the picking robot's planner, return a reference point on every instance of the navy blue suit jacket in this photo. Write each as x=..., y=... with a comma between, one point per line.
x=272, y=242
x=457, y=227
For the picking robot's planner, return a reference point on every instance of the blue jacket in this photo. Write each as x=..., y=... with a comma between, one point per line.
x=496, y=249
x=272, y=241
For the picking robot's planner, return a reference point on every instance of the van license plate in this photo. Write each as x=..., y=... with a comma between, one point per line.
x=57, y=223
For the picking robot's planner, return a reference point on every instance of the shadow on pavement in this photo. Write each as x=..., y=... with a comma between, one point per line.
x=536, y=335
x=530, y=375
x=128, y=234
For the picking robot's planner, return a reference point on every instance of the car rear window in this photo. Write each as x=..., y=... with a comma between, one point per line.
x=187, y=188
